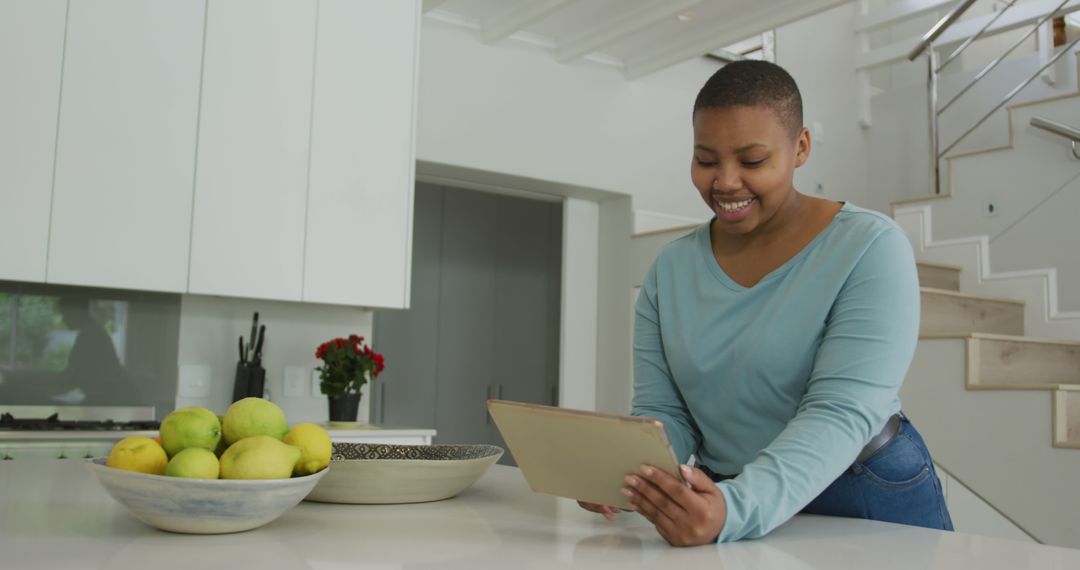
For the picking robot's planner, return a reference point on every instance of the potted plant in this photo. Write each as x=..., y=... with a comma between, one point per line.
x=348, y=364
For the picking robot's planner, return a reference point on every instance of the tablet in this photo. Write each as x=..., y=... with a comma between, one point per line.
x=579, y=454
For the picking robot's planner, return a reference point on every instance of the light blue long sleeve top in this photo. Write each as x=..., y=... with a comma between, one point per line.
x=784, y=382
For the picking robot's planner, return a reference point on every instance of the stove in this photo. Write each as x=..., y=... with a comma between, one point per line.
x=54, y=423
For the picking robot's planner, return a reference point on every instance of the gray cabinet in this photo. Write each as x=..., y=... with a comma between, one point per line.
x=484, y=317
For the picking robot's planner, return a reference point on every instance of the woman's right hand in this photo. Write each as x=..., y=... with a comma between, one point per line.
x=608, y=512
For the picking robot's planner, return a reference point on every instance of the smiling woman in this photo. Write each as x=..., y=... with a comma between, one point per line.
x=772, y=341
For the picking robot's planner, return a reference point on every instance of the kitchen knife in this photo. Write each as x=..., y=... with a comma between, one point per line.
x=257, y=357
x=251, y=339
x=243, y=358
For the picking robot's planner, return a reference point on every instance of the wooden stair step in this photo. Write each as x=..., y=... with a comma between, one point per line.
x=1067, y=419
x=938, y=275
x=946, y=312
x=1005, y=362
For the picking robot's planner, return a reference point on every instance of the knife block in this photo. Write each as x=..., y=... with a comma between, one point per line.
x=250, y=381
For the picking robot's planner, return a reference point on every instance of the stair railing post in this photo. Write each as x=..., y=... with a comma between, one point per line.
x=932, y=87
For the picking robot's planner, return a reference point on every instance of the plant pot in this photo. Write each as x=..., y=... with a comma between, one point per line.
x=344, y=407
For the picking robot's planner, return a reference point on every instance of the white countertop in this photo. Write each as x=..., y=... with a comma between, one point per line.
x=54, y=514
x=117, y=435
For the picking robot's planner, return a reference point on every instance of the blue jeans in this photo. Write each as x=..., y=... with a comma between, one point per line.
x=897, y=484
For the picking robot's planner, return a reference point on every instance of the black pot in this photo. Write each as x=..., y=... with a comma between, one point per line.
x=344, y=407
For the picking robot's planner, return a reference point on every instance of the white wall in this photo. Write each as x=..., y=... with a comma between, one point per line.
x=512, y=109
x=210, y=326
x=819, y=52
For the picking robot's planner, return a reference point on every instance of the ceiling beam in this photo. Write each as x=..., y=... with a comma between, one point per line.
x=898, y=12
x=748, y=22
x=504, y=26
x=620, y=26
x=430, y=5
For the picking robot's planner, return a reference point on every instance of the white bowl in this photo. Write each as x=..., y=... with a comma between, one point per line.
x=365, y=473
x=202, y=506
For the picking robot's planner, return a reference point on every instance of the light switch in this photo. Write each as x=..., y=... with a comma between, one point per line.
x=295, y=382
x=194, y=381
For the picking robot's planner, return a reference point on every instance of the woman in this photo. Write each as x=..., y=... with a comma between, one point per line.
x=773, y=340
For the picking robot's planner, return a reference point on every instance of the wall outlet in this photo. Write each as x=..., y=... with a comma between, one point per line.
x=295, y=382
x=194, y=381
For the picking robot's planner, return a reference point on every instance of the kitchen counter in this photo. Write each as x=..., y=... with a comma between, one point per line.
x=54, y=514
x=348, y=433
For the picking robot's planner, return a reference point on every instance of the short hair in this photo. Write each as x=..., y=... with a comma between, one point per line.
x=754, y=83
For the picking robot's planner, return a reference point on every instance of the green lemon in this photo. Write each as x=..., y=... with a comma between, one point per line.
x=315, y=448
x=194, y=463
x=259, y=457
x=190, y=427
x=253, y=416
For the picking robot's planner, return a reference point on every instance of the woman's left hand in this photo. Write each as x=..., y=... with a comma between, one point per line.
x=683, y=515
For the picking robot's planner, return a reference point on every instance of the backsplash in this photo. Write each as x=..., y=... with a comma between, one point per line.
x=211, y=326
x=62, y=345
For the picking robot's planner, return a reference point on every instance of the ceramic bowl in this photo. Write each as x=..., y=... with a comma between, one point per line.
x=365, y=473
x=202, y=506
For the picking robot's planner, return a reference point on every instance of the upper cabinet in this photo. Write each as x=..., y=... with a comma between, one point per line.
x=31, y=54
x=248, y=148
x=125, y=154
x=360, y=195
x=254, y=143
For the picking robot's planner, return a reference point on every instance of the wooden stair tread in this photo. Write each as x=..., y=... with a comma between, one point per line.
x=1001, y=337
x=937, y=265
x=958, y=294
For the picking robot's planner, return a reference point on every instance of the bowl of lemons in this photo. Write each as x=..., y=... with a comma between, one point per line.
x=207, y=474
x=368, y=473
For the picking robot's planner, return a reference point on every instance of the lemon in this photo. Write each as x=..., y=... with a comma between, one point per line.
x=190, y=427
x=315, y=448
x=253, y=416
x=194, y=463
x=138, y=453
x=259, y=457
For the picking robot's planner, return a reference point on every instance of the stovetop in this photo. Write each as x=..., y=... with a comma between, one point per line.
x=54, y=423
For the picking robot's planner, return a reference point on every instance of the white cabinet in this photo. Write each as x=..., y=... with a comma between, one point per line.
x=31, y=52
x=254, y=135
x=125, y=154
x=359, y=213
x=246, y=148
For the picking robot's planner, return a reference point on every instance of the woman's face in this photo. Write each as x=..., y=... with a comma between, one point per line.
x=743, y=165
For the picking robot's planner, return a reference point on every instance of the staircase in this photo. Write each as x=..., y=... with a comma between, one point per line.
x=995, y=382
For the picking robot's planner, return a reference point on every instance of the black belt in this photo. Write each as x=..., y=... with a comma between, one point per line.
x=887, y=433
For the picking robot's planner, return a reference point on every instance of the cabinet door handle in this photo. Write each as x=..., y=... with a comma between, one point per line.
x=381, y=407
x=487, y=396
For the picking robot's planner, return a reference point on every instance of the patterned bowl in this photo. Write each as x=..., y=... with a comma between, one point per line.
x=366, y=473
x=202, y=506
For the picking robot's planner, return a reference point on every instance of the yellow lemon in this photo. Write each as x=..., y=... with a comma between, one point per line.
x=194, y=463
x=315, y=448
x=253, y=416
x=190, y=427
x=259, y=457
x=138, y=453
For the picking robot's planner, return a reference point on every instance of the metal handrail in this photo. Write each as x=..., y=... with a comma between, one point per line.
x=943, y=24
x=1061, y=129
x=1009, y=97
x=926, y=44
x=1001, y=57
x=977, y=35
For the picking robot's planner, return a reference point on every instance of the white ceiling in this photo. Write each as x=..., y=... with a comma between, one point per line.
x=639, y=36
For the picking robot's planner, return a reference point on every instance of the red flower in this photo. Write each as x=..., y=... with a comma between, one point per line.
x=348, y=364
